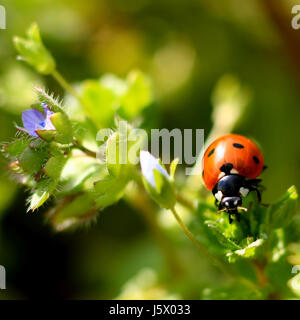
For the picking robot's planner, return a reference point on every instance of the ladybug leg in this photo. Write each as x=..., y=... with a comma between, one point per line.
x=253, y=182
x=253, y=185
x=258, y=193
x=230, y=218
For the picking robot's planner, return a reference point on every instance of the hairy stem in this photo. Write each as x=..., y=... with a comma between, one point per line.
x=139, y=201
x=184, y=201
x=88, y=152
x=64, y=84
x=215, y=261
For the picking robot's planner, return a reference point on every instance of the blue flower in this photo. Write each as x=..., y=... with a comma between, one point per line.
x=34, y=120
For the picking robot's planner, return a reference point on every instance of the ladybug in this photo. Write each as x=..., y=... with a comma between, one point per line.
x=231, y=165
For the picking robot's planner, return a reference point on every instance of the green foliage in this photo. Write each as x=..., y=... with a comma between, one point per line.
x=16, y=148
x=282, y=213
x=33, y=51
x=137, y=96
x=109, y=190
x=77, y=171
x=41, y=193
x=247, y=239
x=235, y=291
x=100, y=103
x=73, y=211
x=248, y=250
x=157, y=182
x=85, y=174
x=55, y=165
x=102, y=99
x=63, y=128
x=32, y=160
x=48, y=99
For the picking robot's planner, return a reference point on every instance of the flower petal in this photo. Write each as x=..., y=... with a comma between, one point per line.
x=31, y=118
x=148, y=164
x=48, y=123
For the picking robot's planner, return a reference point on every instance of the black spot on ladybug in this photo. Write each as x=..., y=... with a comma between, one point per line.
x=256, y=160
x=211, y=152
x=203, y=174
x=238, y=145
x=226, y=168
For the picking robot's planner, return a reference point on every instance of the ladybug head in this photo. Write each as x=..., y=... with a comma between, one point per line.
x=231, y=203
x=228, y=192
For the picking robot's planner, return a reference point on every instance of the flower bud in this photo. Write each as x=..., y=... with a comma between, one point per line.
x=33, y=51
x=157, y=181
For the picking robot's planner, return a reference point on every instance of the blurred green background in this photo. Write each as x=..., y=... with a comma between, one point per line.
x=186, y=47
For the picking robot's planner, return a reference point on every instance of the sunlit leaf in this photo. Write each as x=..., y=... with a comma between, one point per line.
x=282, y=212
x=42, y=192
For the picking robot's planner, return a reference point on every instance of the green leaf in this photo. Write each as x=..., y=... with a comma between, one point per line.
x=117, y=85
x=224, y=241
x=55, y=165
x=163, y=193
x=249, y=251
x=278, y=245
x=64, y=132
x=294, y=284
x=138, y=95
x=16, y=148
x=33, y=51
x=235, y=291
x=204, y=234
x=76, y=171
x=159, y=180
x=282, y=212
x=279, y=272
x=109, y=191
x=73, y=211
x=173, y=167
x=119, y=153
x=234, y=231
x=47, y=135
x=32, y=160
x=99, y=103
x=42, y=192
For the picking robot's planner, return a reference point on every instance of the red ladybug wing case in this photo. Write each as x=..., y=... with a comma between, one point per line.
x=241, y=152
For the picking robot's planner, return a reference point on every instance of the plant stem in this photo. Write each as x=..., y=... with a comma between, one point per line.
x=84, y=149
x=63, y=82
x=139, y=201
x=215, y=261
x=259, y=268
x=185, y=202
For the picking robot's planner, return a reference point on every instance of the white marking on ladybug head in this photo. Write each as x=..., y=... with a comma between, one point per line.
x=236, y=202
x=244, y=191
x=221, y=175
x=233, y=171
x=219, y=195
